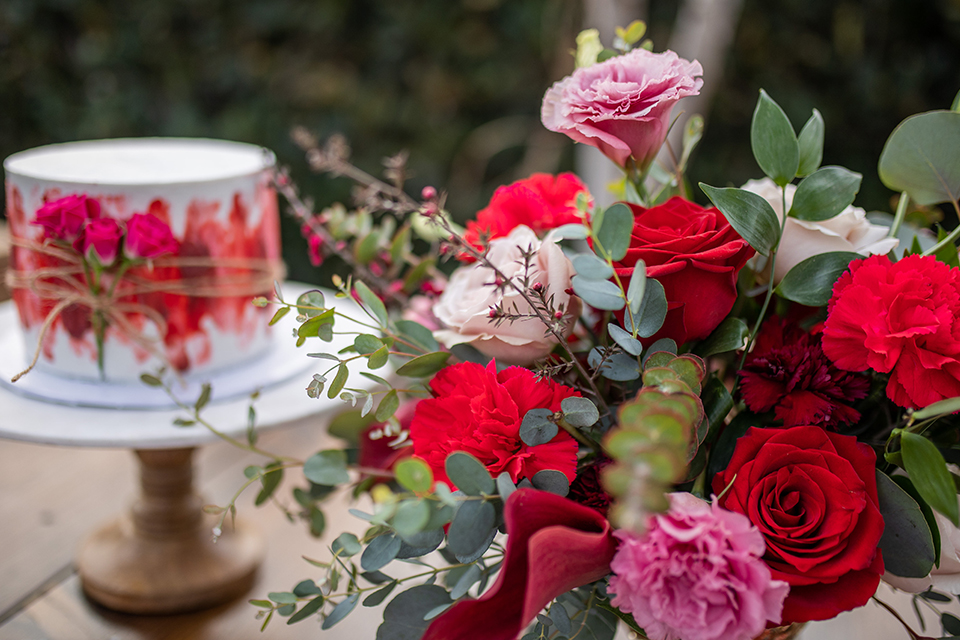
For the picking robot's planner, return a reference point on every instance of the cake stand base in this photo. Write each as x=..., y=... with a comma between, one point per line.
x=161, y=558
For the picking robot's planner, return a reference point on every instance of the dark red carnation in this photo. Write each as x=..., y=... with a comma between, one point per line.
x=541, y=202
x=588, y=490
x=788, y=373
x=696, y=255
x=553, y=545
x=899, y=318
x=813, y=495
x=477, y=410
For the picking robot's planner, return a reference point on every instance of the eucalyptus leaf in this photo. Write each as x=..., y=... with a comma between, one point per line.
x=811, y=281
x=620, y=367
x=907, y=543
x=928, y=471
x=653, y=309
x=403, y=617
x=825, y=193
x=411, y=517
x=749, y=214
x=339, y=381
x=327, y=467
x=505, y=486
x=416, y=333
x=469, y=474
x=537, y=428
x=311, y=303
x=811, y=144
x=420, y=544
x=380, y=552
x=380, y=595
x=590, y=267
x=471, y=527
x=614, y=232
x=667, y=345
x=602, y=294
x=414, y=474
x=424, y=366
x=551, y=480
x=341, y=611
x=346, y=545
x=637, y=286
x=307, y=610
x=372, y=302
x=388, y=406
x=626, y=341
x=570, y=232
x=378, y=358
x=922, y=157
x=774, y=142
x=469, y=578
x=579, y=412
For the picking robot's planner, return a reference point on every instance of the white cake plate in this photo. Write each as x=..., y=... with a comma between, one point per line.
x=160, y=558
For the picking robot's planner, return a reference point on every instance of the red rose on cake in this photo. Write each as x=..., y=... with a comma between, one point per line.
x=478, y=410
x=813, y=495
x=696, y=255
x=899, y=318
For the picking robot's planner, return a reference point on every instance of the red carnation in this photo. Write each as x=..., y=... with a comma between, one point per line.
x=788, y=373
x=696, y=255
x=541, y=202
x=899, y=318
x=479, y=411
x=813, y=495
x=588, y=489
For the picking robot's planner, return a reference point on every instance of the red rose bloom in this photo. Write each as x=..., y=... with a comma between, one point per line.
x=899, y=318
x=63, y=218
x=479, y=411
x=541, y=202
x=788, y=373
x=148, y=237
x=100, y=239
x=696, y=255
x=813, y=495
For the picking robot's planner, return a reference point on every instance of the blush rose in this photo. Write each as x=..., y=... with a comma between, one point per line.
x=622, y=106
x=148, y=237
x=848, y=231
x=464, y=307
x=62, y=219
x=813, y=496
x=696, y=255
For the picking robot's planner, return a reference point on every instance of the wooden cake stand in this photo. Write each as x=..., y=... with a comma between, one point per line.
x=161, y=557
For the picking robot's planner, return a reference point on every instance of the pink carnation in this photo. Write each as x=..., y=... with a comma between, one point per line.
x=697, y=574
x=622, y=106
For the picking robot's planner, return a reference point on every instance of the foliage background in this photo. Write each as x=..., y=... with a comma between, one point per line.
x=458, y=83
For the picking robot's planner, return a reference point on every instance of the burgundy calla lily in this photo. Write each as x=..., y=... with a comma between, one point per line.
x=554, y=545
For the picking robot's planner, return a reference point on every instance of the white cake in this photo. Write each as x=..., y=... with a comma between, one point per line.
x=188, y=309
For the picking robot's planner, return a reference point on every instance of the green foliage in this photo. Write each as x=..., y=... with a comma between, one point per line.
x=922, y=157
x=752, y=216
x=928, y=471
x=825, y=193
x=811, y=281
x=811, y=144
x=774, y=141
x=907, y=543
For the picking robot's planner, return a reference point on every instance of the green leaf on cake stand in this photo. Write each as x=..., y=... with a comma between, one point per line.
x=922, y=157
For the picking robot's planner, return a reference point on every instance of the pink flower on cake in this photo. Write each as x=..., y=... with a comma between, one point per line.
x=100, y=240
x=697, y=573
x=478, y=410
x=622, y=106
x=465, y=306
x=62, y=219
x=148, y=237
x=899, y=318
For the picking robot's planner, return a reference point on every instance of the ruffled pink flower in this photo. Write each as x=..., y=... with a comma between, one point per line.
x=696, y=574
x=62, y=219
x=148, y=237
x=622, y=106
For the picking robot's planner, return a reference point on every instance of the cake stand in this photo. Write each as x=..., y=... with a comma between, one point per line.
x=160, y=558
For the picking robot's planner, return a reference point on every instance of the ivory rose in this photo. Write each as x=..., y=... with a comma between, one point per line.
x=848, y=231
x=464, y=308
x=622, y=106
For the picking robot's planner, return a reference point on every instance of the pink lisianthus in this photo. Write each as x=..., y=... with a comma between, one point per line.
x=62, y=219
x=100, y=240
x=148, y=237
x=622, y=106
x=696, y=574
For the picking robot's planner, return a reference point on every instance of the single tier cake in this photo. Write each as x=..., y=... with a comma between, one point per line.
x=129, y=255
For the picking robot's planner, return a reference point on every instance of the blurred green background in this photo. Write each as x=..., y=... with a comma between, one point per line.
x=457, y=83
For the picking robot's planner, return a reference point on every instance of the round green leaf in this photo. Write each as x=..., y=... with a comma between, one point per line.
x=614, y=231
x=471, y=527
x=825, y=193
x=590, y=267
x=601, y=294
x=469, y=474
x=811, y=281
x=626, y=341
x=411, y=517
x=403, y=617
x=653, y=309
x=579, y=412
x=414, y=474
x=749, y=214
x=327, y=467
x=774, y=142
x=551, y=480
x=346, y=545
x=537, y=428
x=366, y=343
x=311, y=303
x=922, y=157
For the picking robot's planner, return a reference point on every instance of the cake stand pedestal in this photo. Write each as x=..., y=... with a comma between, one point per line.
x=161, y=558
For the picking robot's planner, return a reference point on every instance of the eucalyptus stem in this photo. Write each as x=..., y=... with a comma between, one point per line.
x=951, y=237
x=900, y=215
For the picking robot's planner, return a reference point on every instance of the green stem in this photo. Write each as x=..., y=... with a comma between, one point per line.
x=951, y=237
x=900, y=215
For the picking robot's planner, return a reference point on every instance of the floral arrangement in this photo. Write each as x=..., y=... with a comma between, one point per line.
x=702, y=422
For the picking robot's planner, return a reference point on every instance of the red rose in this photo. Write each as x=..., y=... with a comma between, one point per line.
x=696, y=255
x=63, y=219
x=148, y=237
x=899, y=318
x=479, y=411
x=100, y=239
x=813, y=495
x=541, y=202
